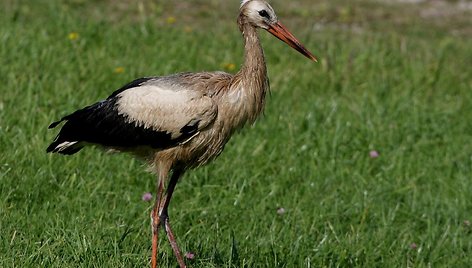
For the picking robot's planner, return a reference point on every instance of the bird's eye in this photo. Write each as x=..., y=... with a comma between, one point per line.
x=264, y=14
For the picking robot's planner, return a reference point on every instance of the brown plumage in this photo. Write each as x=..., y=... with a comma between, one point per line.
x=181, y=121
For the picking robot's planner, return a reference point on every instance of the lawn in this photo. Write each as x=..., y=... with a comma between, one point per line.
x=361, y=160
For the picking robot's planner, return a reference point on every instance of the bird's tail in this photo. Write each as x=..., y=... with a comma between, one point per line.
x=62, y=144
x=65, y=147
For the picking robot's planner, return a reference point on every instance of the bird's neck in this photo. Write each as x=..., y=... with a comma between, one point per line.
x=252, y=81
x=254, y=66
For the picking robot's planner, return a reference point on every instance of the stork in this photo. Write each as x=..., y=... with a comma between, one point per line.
x=181, y=121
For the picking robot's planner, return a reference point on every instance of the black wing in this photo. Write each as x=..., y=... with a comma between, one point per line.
x=101, y=124
x=105, y=123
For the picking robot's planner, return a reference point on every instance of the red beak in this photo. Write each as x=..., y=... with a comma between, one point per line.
x=279, y=31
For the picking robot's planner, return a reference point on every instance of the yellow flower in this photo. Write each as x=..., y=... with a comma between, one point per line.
x=119, y=70
x=229, y=66
x=170, y=20
x=73, y=36
x=188, y=29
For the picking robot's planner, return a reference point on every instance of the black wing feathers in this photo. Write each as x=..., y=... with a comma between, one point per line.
x=102, y=124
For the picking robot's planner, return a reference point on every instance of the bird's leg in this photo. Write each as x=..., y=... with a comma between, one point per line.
x=155, y=219
x=173, y=244
x=164, y=217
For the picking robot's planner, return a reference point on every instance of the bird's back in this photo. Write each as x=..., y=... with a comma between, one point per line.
x=154, y=112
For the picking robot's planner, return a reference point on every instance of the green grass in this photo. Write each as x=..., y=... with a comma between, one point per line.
x=390, y=79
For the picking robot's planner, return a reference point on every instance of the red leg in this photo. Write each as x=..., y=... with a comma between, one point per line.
x=165, y=218
x=173, y=244
x=155, y=220
x=159, y=216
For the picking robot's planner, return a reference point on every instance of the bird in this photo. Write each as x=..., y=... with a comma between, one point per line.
x=181, y=121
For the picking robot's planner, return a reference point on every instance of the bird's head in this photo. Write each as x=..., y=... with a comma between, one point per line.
x=260, y=14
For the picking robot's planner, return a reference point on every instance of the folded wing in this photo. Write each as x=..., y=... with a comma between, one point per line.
x=147, y=112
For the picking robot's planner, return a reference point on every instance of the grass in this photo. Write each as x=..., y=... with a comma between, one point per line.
x=392, y=78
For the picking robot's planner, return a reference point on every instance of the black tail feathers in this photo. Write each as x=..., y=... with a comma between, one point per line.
x=63, y=144
x=64, y=147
